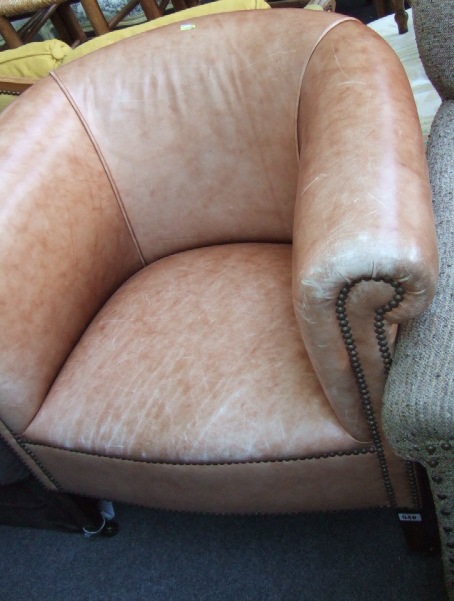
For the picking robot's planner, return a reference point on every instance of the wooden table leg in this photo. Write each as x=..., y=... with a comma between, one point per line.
x=401, y=16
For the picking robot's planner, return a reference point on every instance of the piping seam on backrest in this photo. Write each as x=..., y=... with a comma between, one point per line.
x=303, y=72
x=107, y=171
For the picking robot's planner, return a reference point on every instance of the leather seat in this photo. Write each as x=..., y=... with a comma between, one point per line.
x=205, y=254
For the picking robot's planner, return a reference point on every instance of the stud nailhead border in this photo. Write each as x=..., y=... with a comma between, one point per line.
x=360, y=378
x=445, y=515
x=355, y=452
x=411, y=472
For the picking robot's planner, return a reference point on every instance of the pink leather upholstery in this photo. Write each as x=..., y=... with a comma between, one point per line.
x=218, y=165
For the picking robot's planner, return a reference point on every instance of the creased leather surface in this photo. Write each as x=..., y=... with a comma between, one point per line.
x=64, y=246
x=197, y=358
x=363, y=209
x=215, y=144
x=177, y=140
x=334, y=483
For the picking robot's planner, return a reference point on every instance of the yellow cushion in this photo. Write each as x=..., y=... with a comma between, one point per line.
x=37, y=59
x=220, y=6
x=33, y=60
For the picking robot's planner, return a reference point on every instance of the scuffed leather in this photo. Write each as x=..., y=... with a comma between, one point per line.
x=363, y=209
x=334, y=483
x=215, y=146
x=197, y=358
x=185, y=150
x=64, y=246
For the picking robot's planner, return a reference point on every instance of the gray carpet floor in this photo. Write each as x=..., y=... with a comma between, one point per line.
x=163, y=556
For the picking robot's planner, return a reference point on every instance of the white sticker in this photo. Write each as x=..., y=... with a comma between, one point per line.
x=410, y=517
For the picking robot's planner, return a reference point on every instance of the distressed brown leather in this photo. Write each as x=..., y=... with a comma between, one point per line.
x=222, y=166
x=367, y=187
x=306, y=484
x=64, y=245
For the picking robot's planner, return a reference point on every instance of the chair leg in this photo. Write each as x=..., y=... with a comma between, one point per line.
x=29, y=30
x=380, y=8
x=441, y=477
x=151, y=9
x=421, y=527
x=180, y=5
x=95, y=16
x=9, y=34
x=61, y=29
x=69, y=20
x=401, y=16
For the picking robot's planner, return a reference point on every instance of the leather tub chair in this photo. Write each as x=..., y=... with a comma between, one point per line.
x=209, y=234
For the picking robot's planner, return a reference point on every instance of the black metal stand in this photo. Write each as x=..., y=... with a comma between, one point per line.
x=27, y=503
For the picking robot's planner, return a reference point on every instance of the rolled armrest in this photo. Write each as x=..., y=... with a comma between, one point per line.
x=364, y=225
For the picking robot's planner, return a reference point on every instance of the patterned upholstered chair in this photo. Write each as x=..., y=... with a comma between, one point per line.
x=204, y=266
x=419, y=401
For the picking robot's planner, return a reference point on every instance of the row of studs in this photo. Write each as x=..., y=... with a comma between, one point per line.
x=328, y=455
x=380, y=333
x=445, y=512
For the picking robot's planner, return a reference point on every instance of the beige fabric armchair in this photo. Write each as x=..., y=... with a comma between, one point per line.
x=419, y=408
x=204, y=256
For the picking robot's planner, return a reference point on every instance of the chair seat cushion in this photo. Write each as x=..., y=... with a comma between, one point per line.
x=192, y=390
x=198, y=358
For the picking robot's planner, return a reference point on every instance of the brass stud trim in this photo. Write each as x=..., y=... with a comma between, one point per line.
x=370, y=450
x=9, y=93
x=355, y=363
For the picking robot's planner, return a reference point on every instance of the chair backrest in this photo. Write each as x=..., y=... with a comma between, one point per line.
x=162, y=108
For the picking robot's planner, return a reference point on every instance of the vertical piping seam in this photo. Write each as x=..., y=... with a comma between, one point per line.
x=103, y=161
x=303, y=72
